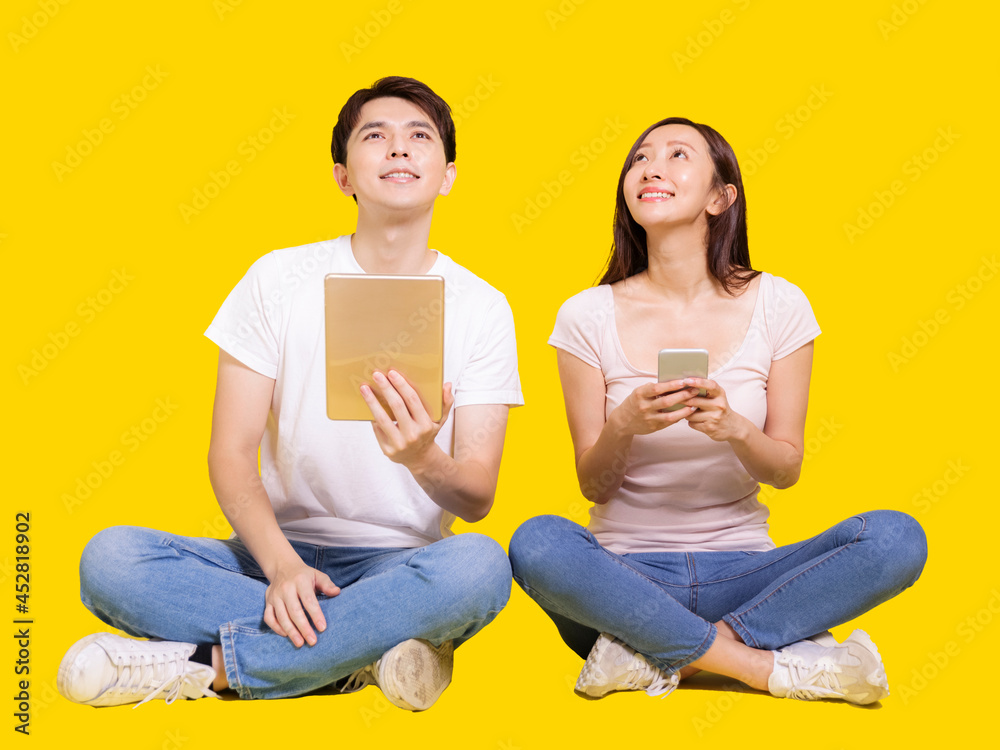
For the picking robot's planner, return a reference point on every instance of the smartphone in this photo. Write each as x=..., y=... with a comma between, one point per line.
x=677, y=364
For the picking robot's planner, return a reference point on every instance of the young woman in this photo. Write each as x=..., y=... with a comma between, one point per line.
x=675, y=572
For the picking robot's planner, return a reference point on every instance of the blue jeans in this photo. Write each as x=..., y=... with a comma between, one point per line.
x=664, y=604
x=157, y=585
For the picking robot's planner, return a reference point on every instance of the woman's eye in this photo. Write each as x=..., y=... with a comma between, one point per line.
x=639, y=157
x=681, y=152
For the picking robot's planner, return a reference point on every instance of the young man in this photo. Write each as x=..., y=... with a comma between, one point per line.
x=344, y=565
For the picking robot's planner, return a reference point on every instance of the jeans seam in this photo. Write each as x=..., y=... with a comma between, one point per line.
x=693, y=578
x=619, y=560
x=178, y=547
x=798, y=548
x=232, y=669
x=735, y=616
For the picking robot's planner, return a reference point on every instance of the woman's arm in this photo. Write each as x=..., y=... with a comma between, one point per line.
x=772, y=455
x=602, y=445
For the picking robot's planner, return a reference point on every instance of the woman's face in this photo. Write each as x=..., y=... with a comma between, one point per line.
x=670, y=181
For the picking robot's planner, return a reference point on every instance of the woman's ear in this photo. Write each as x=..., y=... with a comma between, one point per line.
x=724, y=199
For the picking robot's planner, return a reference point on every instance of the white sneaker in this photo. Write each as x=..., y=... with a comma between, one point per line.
x=612, y=665
x=824, y=639
x=411, y=675
x=108, y=670
x=851, y=671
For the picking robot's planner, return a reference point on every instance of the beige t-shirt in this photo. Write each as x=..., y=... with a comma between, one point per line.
x=682, y=490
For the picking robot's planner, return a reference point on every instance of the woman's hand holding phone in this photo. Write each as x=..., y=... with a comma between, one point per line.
x=645, y=409
x=712, y=414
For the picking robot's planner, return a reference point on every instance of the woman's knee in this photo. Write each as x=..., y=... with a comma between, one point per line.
x=900, y=543
x=540, y=545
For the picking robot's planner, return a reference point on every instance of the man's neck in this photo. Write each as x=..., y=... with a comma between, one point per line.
x=384, y=245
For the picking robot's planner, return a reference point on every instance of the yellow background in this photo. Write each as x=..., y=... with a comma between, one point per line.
x=828, y=106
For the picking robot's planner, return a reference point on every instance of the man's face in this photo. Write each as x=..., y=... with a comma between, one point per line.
x=395, y=158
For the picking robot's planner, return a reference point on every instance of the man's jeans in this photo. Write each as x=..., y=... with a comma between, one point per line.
x=664, y=604
x=157, y=585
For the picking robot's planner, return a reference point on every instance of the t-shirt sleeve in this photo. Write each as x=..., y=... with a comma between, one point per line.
x=490, y=376
x=792, y=323
x=248, y=323
x=579, y=323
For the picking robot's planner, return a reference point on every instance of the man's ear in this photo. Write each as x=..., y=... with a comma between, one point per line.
x=343, y=181
x=449, y=179
x=725, y=198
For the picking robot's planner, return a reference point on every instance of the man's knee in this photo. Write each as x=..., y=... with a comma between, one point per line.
x=481, y=564
x=109, y=559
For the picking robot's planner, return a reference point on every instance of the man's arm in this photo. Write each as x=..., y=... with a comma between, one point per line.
x=463, y=485
x=242, y=402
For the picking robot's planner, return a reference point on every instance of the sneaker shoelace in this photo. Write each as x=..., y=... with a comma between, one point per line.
x=811, y=681
x=641, y=675
x=360, y=679
x=140, y=672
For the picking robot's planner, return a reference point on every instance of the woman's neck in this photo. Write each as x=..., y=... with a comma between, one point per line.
x=678, y=263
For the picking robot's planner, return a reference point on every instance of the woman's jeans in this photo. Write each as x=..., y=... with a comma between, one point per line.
x=664, y=604
x=157, y=585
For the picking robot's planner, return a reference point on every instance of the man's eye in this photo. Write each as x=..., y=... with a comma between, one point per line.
x=421, y=135
x=373, y=135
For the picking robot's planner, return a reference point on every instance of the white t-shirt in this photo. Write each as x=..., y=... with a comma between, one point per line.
x=329, y=482
x=682, y=490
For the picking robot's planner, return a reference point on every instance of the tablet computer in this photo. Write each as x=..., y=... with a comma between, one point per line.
x=382, y=322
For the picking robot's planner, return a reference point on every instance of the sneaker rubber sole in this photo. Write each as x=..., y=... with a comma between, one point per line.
x=862, y=647
x=413, y=674
x=67, y=674
x=593, y=682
